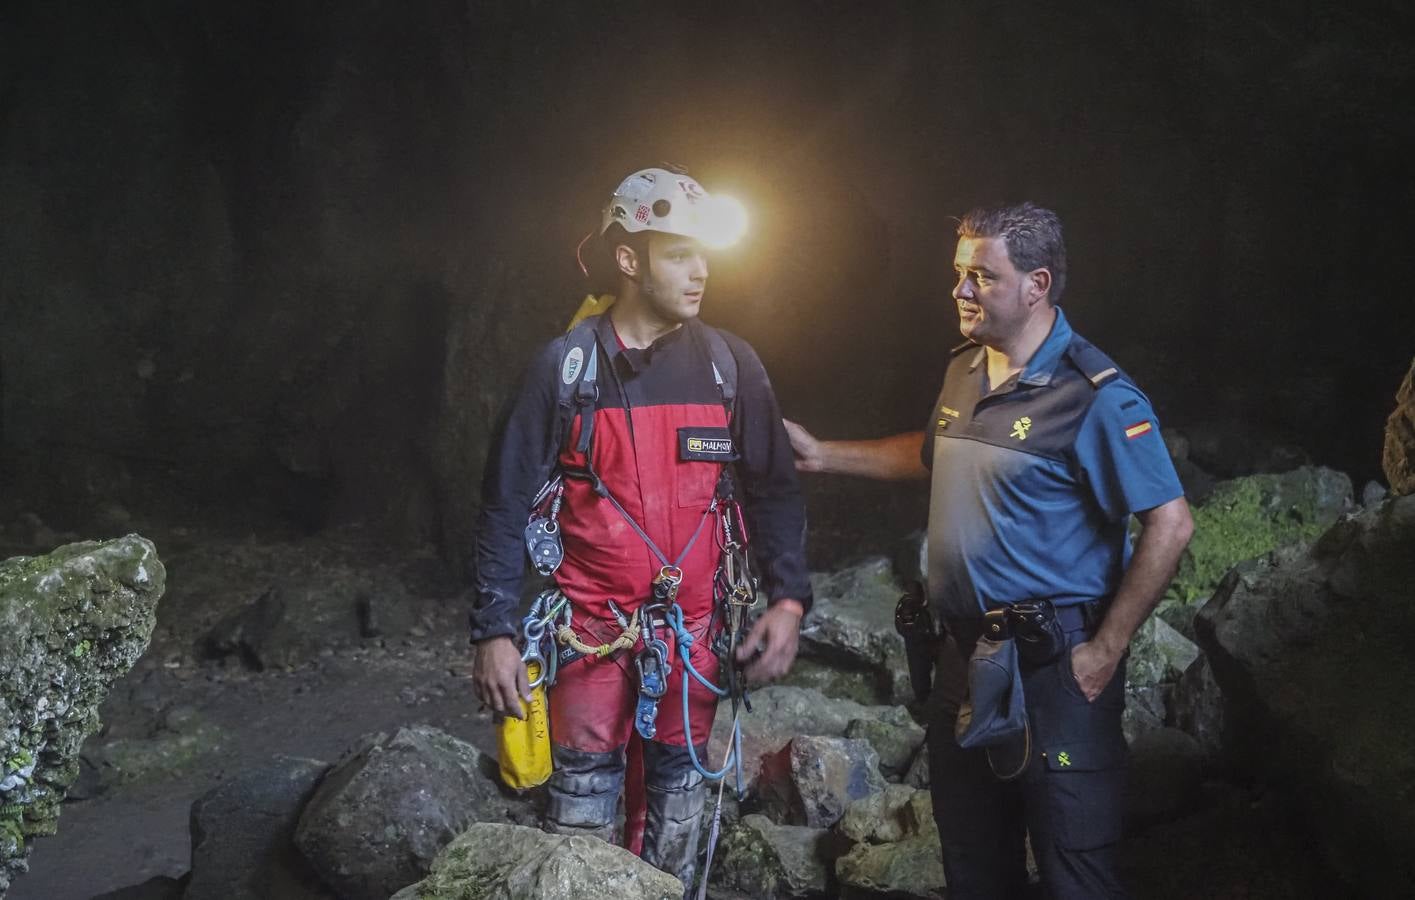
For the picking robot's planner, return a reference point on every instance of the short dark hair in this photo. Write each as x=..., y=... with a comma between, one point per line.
x=1032, y=235
x=600, y=260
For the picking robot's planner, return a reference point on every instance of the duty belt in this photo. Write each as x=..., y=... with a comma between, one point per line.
x=1083, y=616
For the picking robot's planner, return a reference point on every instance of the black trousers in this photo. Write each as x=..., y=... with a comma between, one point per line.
x=1069, y=799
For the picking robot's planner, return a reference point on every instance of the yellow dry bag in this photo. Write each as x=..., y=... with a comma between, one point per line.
x=524, y=744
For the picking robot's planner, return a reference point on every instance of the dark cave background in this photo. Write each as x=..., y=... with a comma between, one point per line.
x=279, y=263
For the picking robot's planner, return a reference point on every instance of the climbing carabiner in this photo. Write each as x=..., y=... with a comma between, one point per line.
x=665, y=585
x=652, y=666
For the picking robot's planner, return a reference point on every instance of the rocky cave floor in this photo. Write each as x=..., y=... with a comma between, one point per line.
x=211, y=697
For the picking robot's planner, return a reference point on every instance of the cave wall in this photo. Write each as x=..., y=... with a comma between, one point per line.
x=294, y=255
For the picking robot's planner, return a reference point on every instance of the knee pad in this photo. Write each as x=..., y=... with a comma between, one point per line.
x=669, y=768
x=584, y=788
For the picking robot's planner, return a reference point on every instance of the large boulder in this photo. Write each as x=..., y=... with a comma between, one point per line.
x=893, y=847
x=781, y=712
x=1311, y=650
x=1159, y=655
x=1398, y=456
x=851, y=628
x=492, y=861
x=1245, y=518
x=1196, y=705
x=243, y=833
x=71, y=623
x=813, y=779
x=764, y=860
x=384, y=812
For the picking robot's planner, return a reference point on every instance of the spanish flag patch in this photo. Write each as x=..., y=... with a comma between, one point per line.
x=1138, y=429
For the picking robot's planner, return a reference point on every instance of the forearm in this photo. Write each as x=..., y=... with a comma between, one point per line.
x=894, y=458
x=1166, y=532
x=523, y=449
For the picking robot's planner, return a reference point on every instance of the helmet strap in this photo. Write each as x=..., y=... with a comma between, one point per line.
x=579, y=254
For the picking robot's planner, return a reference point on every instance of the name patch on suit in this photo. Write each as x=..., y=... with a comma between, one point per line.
x=705, y=444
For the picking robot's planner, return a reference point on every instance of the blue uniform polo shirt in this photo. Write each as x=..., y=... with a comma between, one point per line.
x=1034, y=481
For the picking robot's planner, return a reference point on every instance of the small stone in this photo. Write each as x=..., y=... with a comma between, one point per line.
x=1373, y=492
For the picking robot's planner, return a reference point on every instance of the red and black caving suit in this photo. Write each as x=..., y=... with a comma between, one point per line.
x=649, y=399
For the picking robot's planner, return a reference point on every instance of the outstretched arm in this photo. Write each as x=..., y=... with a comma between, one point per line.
x=893, y=458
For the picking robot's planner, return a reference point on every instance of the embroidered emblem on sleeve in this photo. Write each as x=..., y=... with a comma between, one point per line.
x=1138, y=429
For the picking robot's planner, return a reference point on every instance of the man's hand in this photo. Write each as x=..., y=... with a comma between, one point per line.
x=772, y=641
x=806, y=448
x=1093, y=666
x=890, y=458
x=499, y=676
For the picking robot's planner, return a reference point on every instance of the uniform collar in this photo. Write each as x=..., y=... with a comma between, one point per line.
x=1042, y=365
x=635, y=359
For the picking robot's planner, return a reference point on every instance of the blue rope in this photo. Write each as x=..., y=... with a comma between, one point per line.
x=685, y=643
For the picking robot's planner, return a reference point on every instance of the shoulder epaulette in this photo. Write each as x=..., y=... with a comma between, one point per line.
x=1095, y=365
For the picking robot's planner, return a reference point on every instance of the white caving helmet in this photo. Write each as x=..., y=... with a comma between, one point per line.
x=672, y=202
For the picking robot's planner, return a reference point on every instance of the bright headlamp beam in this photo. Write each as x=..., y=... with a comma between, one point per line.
x=724, y=222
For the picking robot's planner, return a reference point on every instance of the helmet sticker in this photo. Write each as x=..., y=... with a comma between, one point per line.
x=642, y=214
x=571, y=369
x=691, y=188
x=636, y=185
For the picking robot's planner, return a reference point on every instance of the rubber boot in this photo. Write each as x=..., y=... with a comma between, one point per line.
x=584, y=792
x=675, y=793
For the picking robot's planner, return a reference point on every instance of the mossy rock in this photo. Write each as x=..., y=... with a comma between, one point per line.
x=1247, y=518
x=71, y=623
x=492, y=861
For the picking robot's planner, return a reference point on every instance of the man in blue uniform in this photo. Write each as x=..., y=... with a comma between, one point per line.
x=1041, y=450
